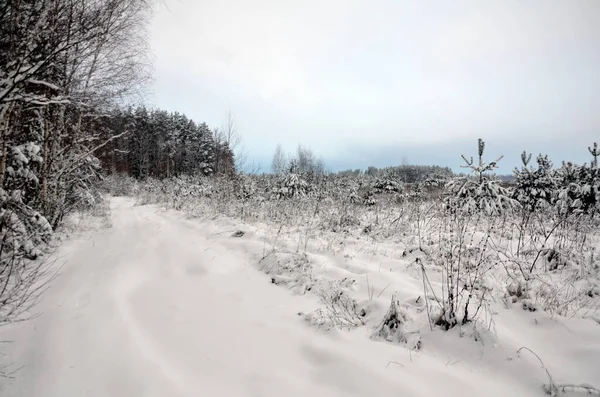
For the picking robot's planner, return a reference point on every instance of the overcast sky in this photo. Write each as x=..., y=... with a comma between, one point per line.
x=372, y=82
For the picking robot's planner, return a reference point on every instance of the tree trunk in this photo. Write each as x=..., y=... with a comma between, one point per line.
x=4, y=126
x=45, y=161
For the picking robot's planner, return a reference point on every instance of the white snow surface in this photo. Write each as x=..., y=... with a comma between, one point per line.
x=162, y=305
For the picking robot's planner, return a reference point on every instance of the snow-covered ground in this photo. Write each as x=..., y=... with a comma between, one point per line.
x=163, y=305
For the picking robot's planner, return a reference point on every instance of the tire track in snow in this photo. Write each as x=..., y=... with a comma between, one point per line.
x=151, y=258
x=145, y=345
x=134, y=275
x=132, y=278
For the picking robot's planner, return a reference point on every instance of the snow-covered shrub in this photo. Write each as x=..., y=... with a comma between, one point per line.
x=22, y=162
x=436, y=180
x=416, y=194
x=346, y=189
x=22, y=174
x=292, y=185
x=340, y=310
x=465, y=259
x=549, y=260
x=24, y=233
x=293, y=270
x=369, y=199
x=81, y=191
x=393, y=326
x=387, y=184
x=193, y=186
x=563, y=292
x=480, y=192
x=23, y=230
x=517, y=289
x=245, y=187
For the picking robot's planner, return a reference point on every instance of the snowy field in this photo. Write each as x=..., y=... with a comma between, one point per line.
x=148, y=252
x=162, y=304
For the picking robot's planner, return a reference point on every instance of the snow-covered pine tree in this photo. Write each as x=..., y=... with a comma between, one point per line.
x=291, y=185
x=579, y=186
x=591, y=184
x=226, y=159
x=389, y=182
x=206, y=150
x=480, y=192
x=140, y=143
x=534, y=187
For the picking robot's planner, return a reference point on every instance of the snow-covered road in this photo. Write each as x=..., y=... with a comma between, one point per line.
x=153, y=307
x=160, y=305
